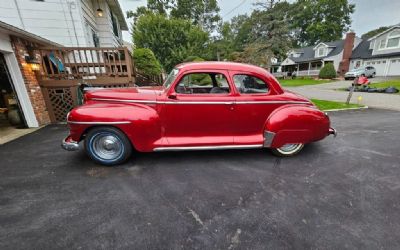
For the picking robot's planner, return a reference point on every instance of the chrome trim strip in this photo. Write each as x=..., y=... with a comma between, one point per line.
x=268, y=138
x=199, y=102
x=188, y=102
x=124, y=100
x=271, y=102
x=208, y=147
x=99, y=122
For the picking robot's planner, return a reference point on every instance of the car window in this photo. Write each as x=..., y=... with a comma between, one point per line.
x=247, y=84
x=203, y=83
x=171, y=78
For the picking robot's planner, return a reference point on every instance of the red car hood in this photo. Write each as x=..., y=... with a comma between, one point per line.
x=138, y=93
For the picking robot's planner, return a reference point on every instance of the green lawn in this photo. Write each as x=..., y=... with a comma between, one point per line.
x=301, y=82
x=394, y=83
x=391, y=83
x=326, y=105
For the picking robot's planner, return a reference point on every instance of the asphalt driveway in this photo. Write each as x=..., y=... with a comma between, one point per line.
x=341, y=193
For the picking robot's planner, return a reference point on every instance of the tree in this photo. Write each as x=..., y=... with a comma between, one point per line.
x=146, y=62
x=269, y=34
x=204, y=13
x=172, y=40
x=199, y=12
x=374, y=32
x=315, y=21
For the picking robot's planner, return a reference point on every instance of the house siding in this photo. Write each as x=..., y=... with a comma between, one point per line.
x=377, y=51
x=51, y=19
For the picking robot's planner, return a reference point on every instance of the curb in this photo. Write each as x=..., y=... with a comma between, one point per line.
x=333, y=110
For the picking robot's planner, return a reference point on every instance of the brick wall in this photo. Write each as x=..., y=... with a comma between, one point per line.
x=31, y=82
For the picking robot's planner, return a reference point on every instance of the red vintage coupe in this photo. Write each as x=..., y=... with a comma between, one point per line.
x=201, y=106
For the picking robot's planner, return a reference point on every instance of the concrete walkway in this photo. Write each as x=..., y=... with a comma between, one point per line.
x=328, y=91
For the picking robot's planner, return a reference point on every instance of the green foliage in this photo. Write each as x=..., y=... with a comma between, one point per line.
x=374, y=32
x=199, y=12
x=172, y=40
x=194, y=59
x=320, y=20
x=269, y=36
x=327, y=72
x=146, y=62
x=204, y=13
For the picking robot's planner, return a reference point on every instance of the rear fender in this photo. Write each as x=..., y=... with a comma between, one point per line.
x=295, y=124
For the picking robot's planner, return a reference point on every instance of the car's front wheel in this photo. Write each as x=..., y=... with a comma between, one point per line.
x=288, y=149
x=107, y=146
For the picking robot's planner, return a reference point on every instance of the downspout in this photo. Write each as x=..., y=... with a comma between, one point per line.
x=19, y=14
x=72, y=20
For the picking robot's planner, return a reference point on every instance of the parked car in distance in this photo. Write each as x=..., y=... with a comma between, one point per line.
x=367, y=71
x=201, y=106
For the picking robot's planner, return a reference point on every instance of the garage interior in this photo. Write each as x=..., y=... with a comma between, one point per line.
x=12, y=123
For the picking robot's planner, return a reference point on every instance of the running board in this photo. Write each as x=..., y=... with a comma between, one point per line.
x=209, y=147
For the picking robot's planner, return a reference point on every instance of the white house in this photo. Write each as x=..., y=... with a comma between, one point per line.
x=307, y=61
x=77, y=23
x=381, y=52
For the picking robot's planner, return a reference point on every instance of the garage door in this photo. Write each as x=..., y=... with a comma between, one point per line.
x=394, y=68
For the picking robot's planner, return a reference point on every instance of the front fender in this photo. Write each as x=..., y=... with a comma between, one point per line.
x=296, y=124
x=139, y=122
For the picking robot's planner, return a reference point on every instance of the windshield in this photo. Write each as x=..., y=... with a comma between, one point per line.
x=171, y=78
x=356, y=69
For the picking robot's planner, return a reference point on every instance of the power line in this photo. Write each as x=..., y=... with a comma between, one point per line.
x=236, y=7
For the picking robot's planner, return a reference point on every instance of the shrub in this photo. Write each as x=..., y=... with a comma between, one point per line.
x=146, y=63
x=327, y=72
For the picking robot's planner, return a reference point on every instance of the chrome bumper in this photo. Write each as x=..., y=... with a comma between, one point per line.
x=333, y=132
x=70, y=145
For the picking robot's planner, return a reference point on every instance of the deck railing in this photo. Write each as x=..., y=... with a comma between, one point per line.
x=63, y=66
x=297, y=73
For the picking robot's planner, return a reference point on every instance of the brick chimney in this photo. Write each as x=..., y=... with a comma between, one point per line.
x=347, y=51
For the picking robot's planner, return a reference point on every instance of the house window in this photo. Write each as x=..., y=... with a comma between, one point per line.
x=393, y=39
x=114, y=22
x=382, y=45
x=321, y=51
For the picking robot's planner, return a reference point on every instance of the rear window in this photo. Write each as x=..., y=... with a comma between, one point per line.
x=247, y=84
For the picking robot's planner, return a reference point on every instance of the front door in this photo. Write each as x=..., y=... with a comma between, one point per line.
x=199, y=110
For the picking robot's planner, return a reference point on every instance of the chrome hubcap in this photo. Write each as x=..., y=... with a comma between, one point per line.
x=107, y=147
x=289, y=148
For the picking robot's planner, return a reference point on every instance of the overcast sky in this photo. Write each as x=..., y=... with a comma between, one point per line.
x=368, y=15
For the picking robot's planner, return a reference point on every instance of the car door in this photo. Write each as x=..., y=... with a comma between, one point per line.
x=199, y=110
x=254, y=103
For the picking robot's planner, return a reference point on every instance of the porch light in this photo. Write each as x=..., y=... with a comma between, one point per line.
x=33, y=63
x=30, y=58
x=99, y=12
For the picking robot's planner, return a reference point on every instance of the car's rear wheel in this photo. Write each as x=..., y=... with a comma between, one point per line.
x=107, y=146
x=288, y=149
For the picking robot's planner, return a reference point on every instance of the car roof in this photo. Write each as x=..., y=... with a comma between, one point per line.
x=221, y=66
